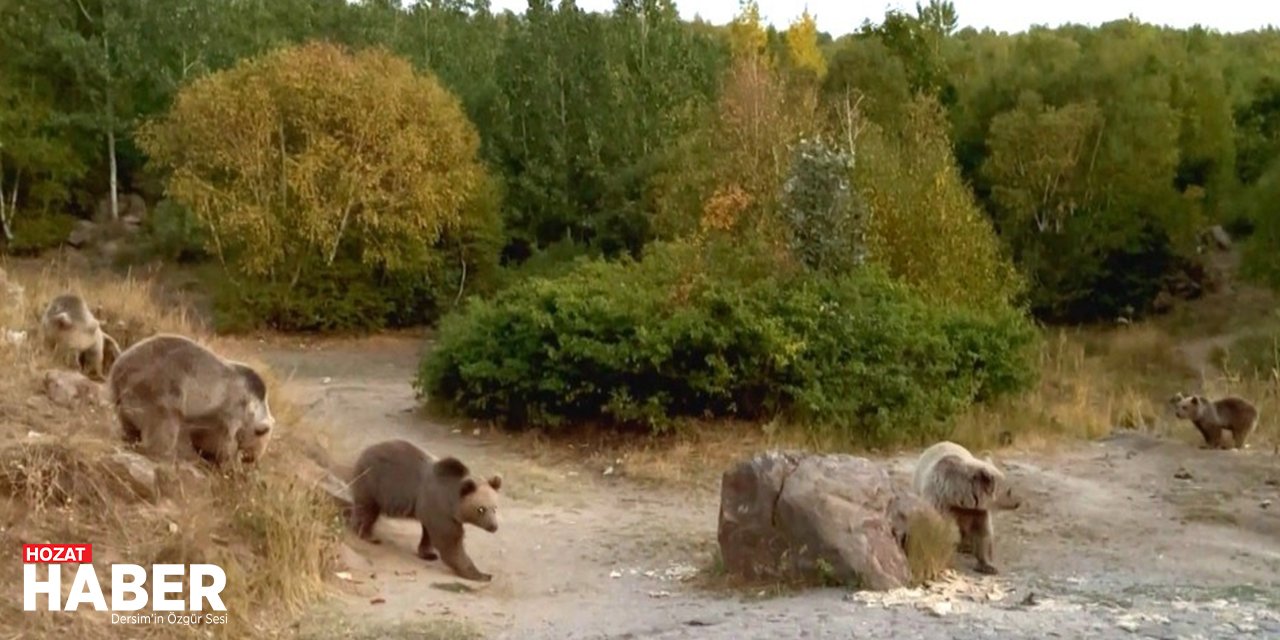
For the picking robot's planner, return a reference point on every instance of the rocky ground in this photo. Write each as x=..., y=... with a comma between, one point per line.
x=1127, y=537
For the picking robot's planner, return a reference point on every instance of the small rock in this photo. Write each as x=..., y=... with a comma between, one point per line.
x=476, y=432
x=70, y=388
x=326, y=380
x=1265, y=503
x=615, y=574
x=1030, y=601
x=137, y=471
x=609, y=471
x=940, y=609
x=173, y=527
x=83, y=232
x=659, y=594
x=1271, y=482
x=1182, y=474
x=15, y=338
x=378, y=601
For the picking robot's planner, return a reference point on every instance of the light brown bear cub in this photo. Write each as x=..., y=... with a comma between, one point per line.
x=1233, y=414
x=965, y=490
x=69, y=327
x=395, y=478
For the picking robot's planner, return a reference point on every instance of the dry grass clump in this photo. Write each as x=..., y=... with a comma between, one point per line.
x=60, y=481
x=930, y=544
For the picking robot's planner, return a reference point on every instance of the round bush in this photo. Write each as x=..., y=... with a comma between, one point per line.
x=686, y=334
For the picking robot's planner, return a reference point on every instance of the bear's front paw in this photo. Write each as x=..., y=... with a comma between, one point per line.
x=987, y=569
x=427, y=554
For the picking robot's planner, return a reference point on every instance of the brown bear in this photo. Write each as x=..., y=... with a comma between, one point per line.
x=397, y=479
x=69, y=327
x=966, y=490
x=1233, y=414
x=177, y=397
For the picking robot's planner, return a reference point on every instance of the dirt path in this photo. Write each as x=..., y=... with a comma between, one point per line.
x=1112, y=544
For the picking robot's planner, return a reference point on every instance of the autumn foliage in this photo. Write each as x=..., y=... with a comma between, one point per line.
x=311, y=160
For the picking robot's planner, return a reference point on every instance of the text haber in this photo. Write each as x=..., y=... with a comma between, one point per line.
x=127, y=583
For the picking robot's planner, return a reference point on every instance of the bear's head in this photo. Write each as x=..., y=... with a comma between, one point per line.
x=1189, y=407
x=478, y=504
x=991, y=479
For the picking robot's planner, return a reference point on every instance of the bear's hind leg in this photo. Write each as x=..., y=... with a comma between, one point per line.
x=363, y=517
x=424, y=546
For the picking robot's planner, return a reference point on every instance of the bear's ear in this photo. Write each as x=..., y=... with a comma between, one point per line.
x=1195, y=400
x=496, y=482
x=985, y=480
x=468, y=487
x=450, y=468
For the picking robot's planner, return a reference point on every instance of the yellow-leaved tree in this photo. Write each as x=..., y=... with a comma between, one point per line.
x=924, y=226
x=802, y=46
x=312, y=154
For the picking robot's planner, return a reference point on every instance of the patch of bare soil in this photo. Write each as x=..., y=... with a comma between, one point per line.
x=1126, y=535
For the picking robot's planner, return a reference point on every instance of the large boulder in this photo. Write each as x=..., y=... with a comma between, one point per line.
x=815, y=518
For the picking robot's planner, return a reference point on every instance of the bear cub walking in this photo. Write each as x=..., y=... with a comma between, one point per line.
x=1212, y=417
x=397, y=479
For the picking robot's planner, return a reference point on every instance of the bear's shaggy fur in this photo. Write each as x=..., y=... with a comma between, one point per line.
x=966, y=490
x=176, y=396
x=1233, y=414
x=397, y=479
x=69, y=327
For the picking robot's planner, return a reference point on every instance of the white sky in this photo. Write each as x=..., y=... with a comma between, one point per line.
x=838, y=17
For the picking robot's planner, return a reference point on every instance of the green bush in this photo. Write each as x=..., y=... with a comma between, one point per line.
x=35, y=233
x=172, y=232
x=682, y=333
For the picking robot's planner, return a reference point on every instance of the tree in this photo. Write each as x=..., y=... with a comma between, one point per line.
x=924, y=226
x=802, y=46
x=1039, y=164
x=825, y=218
x=291, y=158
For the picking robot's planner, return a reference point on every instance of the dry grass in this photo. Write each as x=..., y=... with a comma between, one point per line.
x=930, y=545
x=272, y=533
x=1091, y=382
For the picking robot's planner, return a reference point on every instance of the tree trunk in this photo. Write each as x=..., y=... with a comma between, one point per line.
x=111, y=151
x=111, y=131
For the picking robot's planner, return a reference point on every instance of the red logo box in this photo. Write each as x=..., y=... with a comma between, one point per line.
x=56, y=553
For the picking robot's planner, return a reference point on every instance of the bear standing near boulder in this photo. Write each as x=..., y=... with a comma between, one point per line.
x=397, y=479
x=965, y=490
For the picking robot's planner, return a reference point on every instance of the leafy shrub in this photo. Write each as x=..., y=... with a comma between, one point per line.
x=33, y=234
x=823, y=215
x=172, y=232
x=683, y=333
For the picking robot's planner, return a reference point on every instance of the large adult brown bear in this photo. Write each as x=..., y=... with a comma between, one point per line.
x=395, y=478
x=966, y=490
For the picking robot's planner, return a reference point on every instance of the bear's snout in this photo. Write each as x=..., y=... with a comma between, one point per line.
x=493, y=528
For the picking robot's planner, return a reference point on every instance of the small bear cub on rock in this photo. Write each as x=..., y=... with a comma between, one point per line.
x=395, y=478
